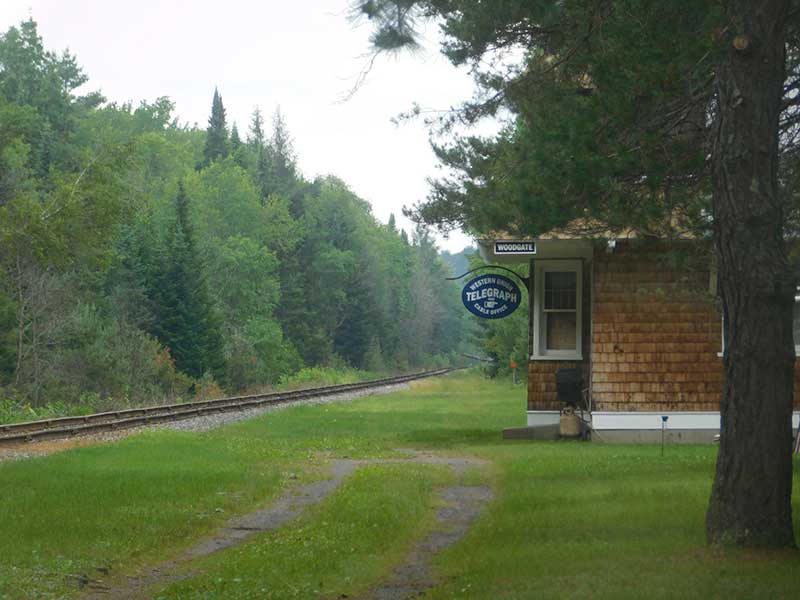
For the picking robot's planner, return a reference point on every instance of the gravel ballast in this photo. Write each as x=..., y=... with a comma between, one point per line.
x=194, y=424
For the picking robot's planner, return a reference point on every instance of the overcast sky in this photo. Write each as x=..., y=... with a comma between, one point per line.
x=303, y=55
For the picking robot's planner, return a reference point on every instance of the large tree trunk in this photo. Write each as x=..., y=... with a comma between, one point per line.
x=751, y=496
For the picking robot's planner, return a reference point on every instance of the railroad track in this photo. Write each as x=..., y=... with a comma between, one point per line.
x=65, y=427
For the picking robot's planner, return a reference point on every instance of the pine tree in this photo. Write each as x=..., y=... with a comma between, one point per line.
x=256, y=141
x=238, y=149
x=236, y=141
x=217, y=144
x=186, y=322
x=255, y=138
x=263, y=172
x=283, y=159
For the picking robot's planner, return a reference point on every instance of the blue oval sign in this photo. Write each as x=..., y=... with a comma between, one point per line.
x=491, y=296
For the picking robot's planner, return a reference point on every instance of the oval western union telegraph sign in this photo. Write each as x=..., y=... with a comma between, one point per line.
x=491, y=296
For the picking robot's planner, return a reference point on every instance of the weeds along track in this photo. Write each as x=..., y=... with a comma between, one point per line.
x=65, y=427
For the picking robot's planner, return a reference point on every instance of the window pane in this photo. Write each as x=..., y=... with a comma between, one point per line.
x=560, y=290
x=561, y=330
x=796, y=323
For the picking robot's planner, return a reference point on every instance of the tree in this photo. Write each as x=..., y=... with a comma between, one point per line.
x=33, y=77
x=217, y=145
x=255, y=137
x=256, y=141
x=653, y=115
x=127, y=271
x=185, y=320
x=282, y=152
x=751, y=497
x=238, y=149
x=236, y=141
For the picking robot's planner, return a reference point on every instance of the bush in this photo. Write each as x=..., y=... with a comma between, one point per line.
x=321, y=376
x=13, y=411
x=207, y=389
x=258, y=354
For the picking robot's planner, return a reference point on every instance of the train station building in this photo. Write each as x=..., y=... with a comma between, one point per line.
x=639, y=319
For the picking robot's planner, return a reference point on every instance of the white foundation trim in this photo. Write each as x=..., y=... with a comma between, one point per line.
x=652, y=420
x=543, y=417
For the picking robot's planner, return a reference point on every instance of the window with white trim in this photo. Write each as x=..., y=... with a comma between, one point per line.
x=557, y=310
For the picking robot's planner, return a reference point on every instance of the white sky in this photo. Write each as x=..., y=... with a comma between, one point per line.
x=301, y=55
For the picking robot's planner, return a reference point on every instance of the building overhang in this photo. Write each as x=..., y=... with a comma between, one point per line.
x=515, y=251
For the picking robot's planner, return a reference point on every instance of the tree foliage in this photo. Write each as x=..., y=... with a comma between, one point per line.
x=217, y=143
x=185, y=320
x=141, y=259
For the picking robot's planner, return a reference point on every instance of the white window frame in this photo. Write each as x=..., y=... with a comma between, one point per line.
x=539, y=334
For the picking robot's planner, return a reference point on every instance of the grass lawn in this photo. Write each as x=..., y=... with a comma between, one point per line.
x=569, y=519
x=341, y=547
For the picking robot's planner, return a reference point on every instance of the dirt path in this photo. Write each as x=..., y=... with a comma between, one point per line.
x=462, y=504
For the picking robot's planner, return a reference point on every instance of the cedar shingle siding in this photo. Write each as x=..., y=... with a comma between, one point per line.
x=655, y=334
x=542, y=383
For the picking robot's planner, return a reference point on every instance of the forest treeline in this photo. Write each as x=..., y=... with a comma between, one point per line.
x=141, y=258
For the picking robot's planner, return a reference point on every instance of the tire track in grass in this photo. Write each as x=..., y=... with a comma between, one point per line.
x=462, y=504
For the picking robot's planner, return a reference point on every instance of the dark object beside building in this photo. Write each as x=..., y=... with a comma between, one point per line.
x=569, y=385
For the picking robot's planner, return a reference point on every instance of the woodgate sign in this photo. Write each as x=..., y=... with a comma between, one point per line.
x=515, y=247
x=491, y=296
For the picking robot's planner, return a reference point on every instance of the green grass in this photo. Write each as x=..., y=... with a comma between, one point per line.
x=339, y=548
x=569, y=519
x=112, y=505
x=579, y=520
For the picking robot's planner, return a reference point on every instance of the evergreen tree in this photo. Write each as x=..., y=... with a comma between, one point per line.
x=263, y=172
x=256, y=138
x=239, y=151
x=282, y=151
x=186, y=322
x=256, y=141
x=236, y=141
x=217, y=144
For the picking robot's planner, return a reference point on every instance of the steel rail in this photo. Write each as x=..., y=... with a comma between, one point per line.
x=62, y=427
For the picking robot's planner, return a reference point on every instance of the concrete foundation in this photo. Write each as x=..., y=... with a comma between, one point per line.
x=653, y=436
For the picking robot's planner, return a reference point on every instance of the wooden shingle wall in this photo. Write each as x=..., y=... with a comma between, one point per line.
x=656, y=331
x=542, y=383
